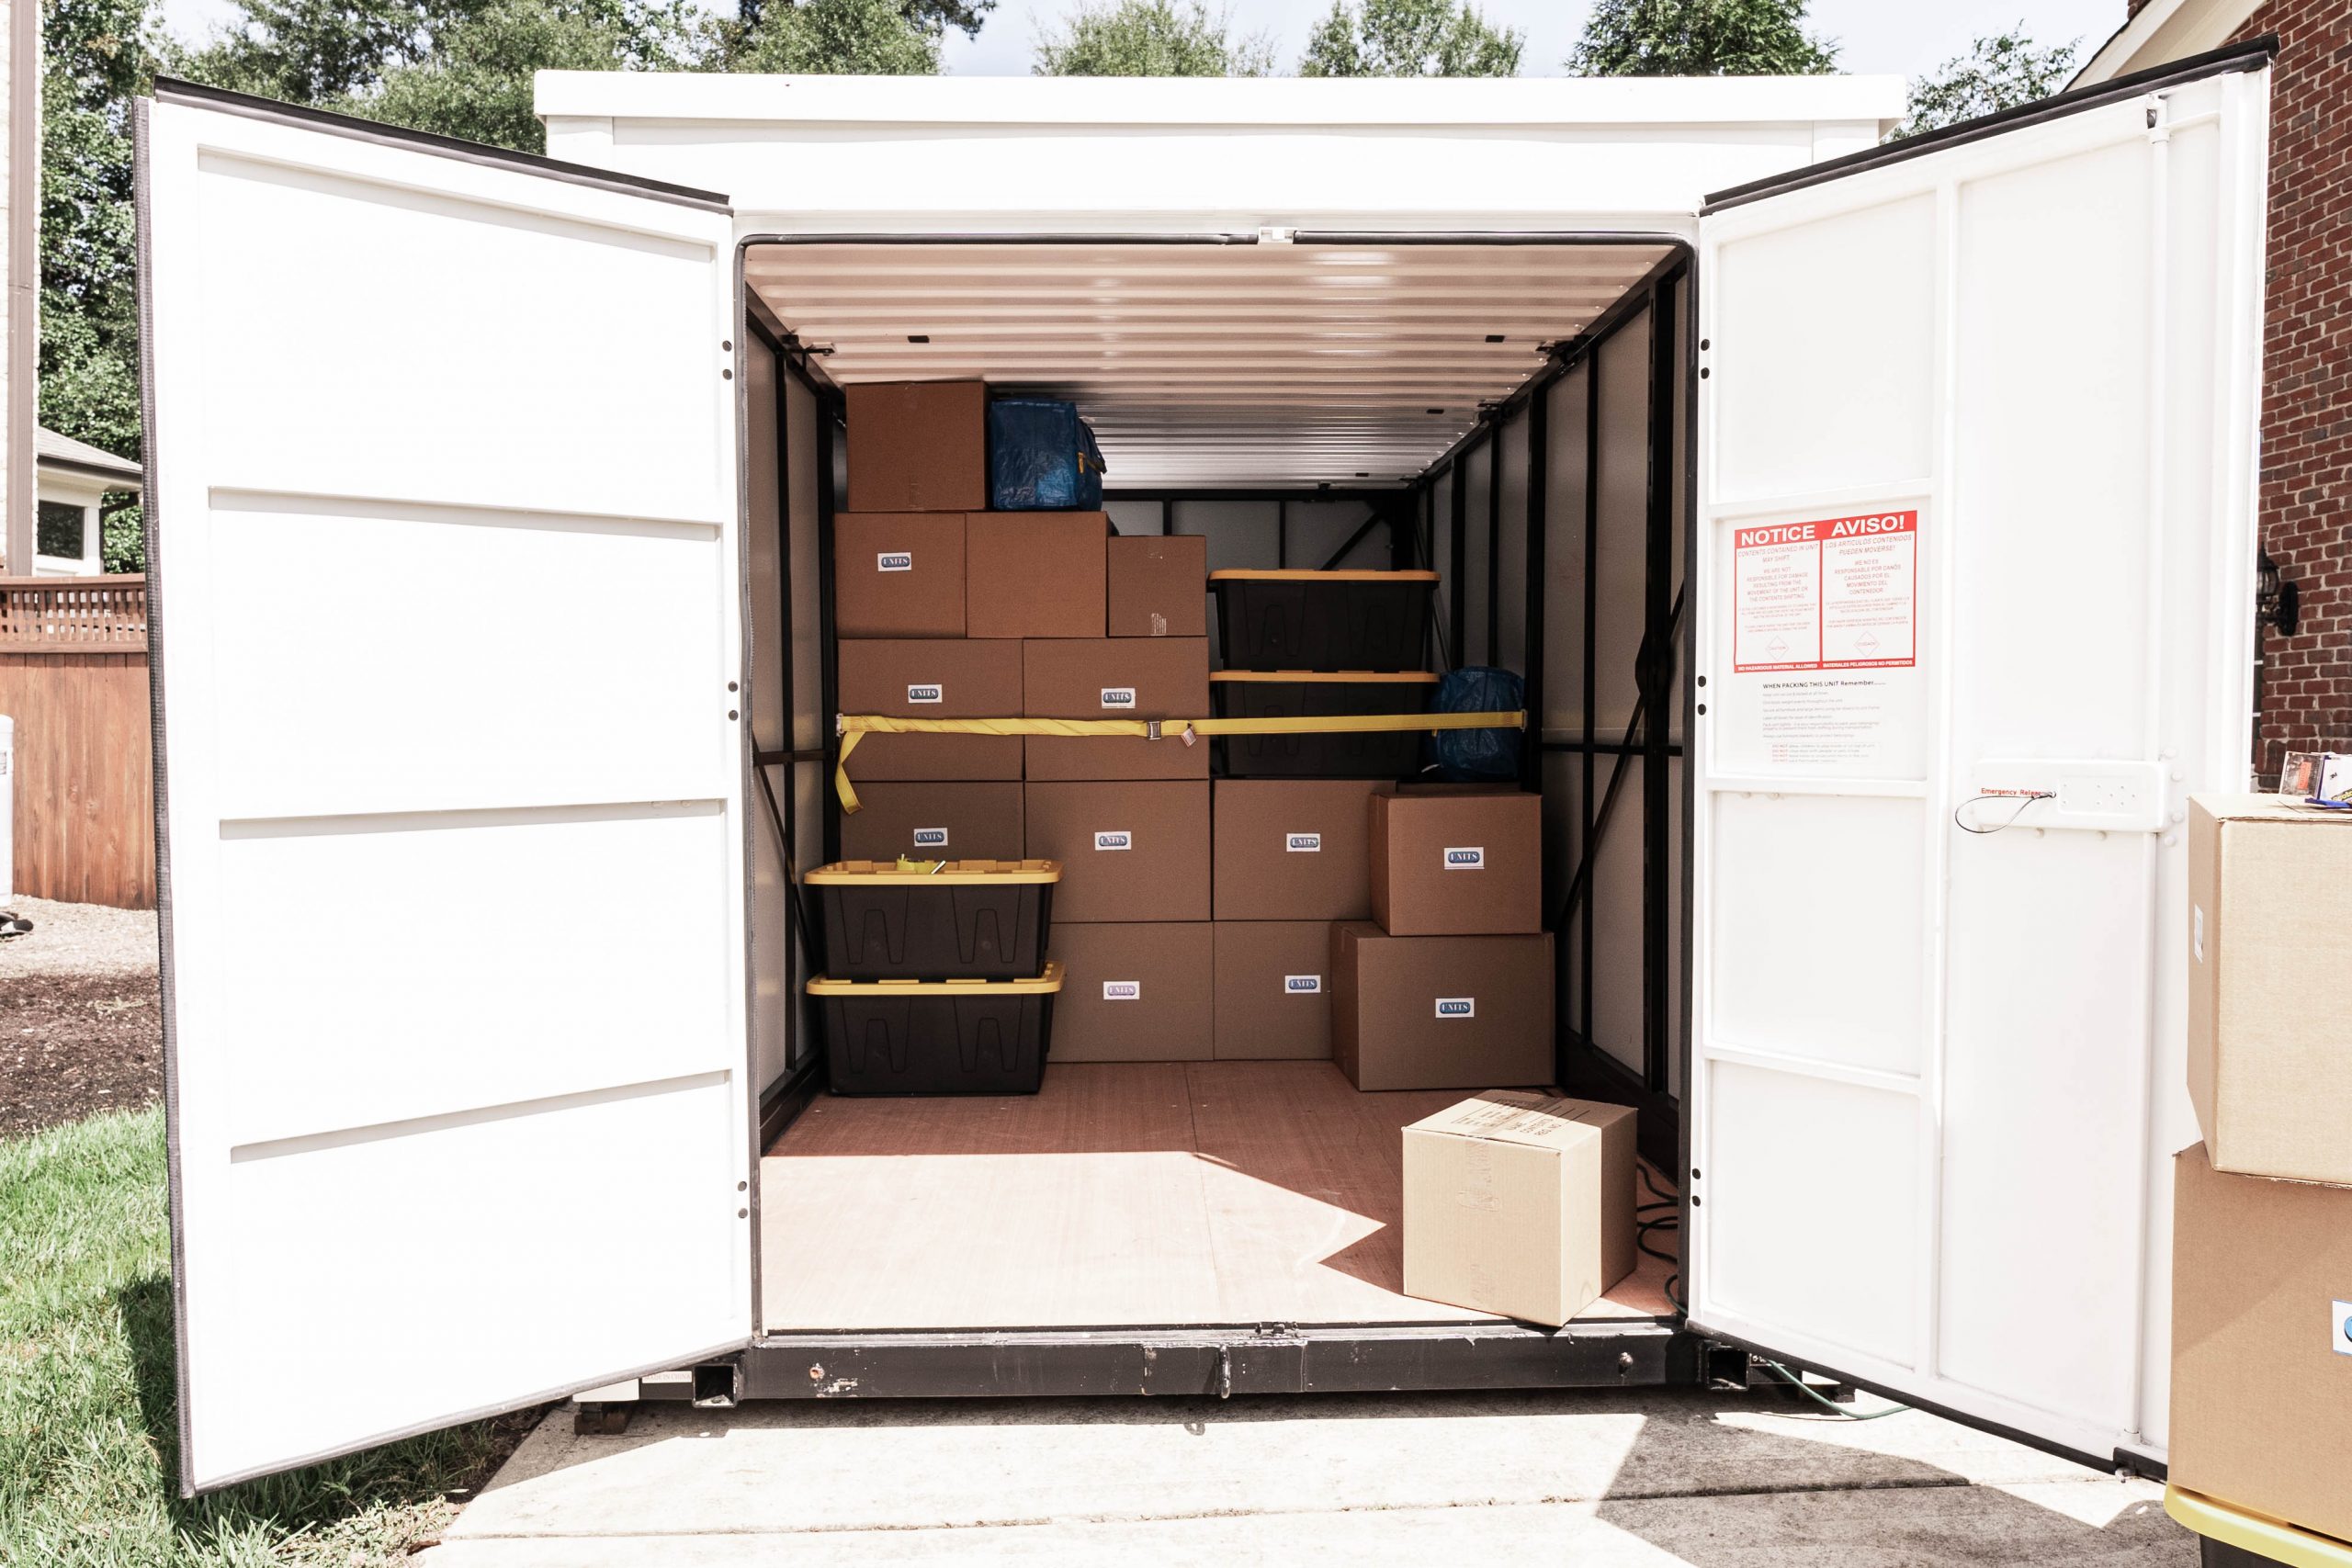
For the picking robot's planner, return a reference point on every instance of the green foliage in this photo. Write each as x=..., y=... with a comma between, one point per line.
x=1151, y=38
x=313, y=52
x=1699, y=37
x=1996, y=73
x=1410, y=38
x=871, y=38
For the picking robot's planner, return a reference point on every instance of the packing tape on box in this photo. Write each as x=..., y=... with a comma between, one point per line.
x=853, y=727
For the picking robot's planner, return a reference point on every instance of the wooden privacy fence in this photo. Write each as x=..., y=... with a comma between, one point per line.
x=74, y=676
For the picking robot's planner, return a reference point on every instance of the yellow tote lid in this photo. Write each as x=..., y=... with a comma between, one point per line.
x=1300, y=574
x=939, y=873
x=1350, y=677
x=1046, y=984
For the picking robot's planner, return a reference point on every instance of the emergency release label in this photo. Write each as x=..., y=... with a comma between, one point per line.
x=1833, y=593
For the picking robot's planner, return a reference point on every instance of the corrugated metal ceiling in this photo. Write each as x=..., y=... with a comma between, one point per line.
x=1207, y=365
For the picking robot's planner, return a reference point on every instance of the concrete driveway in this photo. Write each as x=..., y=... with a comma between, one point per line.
x=1713, y=1480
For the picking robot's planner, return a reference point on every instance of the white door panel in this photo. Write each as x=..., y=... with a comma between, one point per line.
x=445, y=581
x=1937, y=1075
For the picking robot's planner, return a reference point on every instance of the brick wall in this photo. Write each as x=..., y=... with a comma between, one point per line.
x=2307, y=380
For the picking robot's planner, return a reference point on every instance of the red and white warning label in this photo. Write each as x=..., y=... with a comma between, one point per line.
x=1835, y=594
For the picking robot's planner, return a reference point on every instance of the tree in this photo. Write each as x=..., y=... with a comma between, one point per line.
x=1151, y=38
x=1410, y=38
x=316, y=51
x=1699, y=37
x=1997, y=73
x=872, y=38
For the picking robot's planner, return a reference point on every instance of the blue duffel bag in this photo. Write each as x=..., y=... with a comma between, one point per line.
x=1478, y=756
x=1042, y=457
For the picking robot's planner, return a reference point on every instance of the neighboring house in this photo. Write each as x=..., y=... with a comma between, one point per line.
x=2306, y=691
x=71, y=479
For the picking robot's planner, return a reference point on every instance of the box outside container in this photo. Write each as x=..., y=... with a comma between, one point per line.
x=917, y=446
x=1440, y=1012
x=933, y=820
x=966, y=920
x=1323, y=620
x=1375, y=754
x=1128, y=850
x=1036, y=573
x=898, y=574
x=1273, y=990
x=931, y=678
x=886, y=1037
x=1292, y=849
x=1457, y=860
x=1116, y=678
x=1135, y=992
x=1158, y=585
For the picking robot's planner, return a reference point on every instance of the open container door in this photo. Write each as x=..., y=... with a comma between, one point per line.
x=1976, y=473
x=443, y=535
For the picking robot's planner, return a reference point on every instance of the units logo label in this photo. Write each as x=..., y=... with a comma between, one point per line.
x=1116, y=840
x=1474, y=859
x=1118, y=696
x=1304, y=844
x=1303, y=985
x=1457, y=1006
x=1122, y=991
x=930, y=837
x=928, y=693
x=895, y=561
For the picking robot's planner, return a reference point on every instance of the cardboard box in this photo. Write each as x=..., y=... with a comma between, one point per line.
x=2269, y=972
x=1456, y=861
x=1159, y=585
x=2262, y=1344
x=898, y=574
x=935, y=821
x=1273, y=990
x=1135, y=992
x=1293, y=849
x=1117, y=678
x=1440, y=1012
x=1521, y=1204
x=1035, y=573
x=918, y=446
x=1130, y=852
x=931, y=678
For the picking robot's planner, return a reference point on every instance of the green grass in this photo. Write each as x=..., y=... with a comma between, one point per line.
x=89, y=1426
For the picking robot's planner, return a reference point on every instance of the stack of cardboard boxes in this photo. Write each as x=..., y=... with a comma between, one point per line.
x=2262, y=1215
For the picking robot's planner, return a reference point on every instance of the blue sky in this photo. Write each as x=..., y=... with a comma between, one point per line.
x=1905, y=36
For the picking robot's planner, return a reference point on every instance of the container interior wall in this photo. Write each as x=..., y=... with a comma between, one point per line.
x=804, y=490
x=1260, y=533
x=772, y=951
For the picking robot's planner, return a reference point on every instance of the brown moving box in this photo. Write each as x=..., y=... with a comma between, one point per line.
x=1273, y=990
x=1440, y=1012
x=1116, y=678
x=1035, y=573
x=931, y=678
x=898, y=574
x=1519, y=1204
x=935, y=821
x=1455, y=860
x=1293, y=849
x=1159, y=585
x=2269, y=962
x=1130, y=852
x=2262, y=1344
x=1133, y=992
x=918, y=446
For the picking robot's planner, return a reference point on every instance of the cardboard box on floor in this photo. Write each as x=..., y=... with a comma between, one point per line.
x=1450, y=860
x=1137, y=992
x=935, y=821
x=1159, y=585
x=1116, y=678
x=1293, y=849
x=898, y=574
x=930, y=678
x=1520, y=1203
x=1129, y=850
x=1273, y=990
x=1440, y=1012
x=2262, y=1344
x=917, y=446
x=2269, y=982
x=1035, y=573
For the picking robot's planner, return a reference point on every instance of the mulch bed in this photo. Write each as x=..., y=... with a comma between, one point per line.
x=72, y=1045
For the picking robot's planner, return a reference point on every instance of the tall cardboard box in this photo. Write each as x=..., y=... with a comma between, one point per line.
x=917, y=446
x=1273, y=990
x=1130, y=852
x=1457, y=861
x=898, y=574
x=2262, y=1344
x=930, y=678
x=1139, y=991
x=935, y=821
x=1293, y=849
x=1519, y=1204
x=1440, y=1012
x=2270, y=982
x=1116, y=678
x=1159, y=585
x=1035, y=573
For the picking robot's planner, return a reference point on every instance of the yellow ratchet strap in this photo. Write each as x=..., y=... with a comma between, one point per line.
x=852, y=728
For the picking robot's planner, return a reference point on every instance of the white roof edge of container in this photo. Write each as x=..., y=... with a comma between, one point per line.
x=1257, y=101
